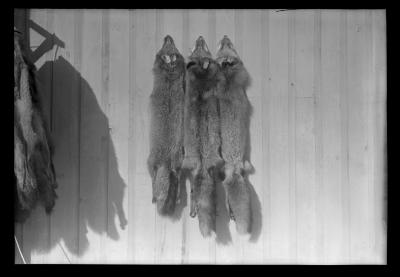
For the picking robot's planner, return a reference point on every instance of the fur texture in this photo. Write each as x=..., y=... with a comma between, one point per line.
x=202, y=139
x=234, y=115
x=166, y=134
x=33, y=151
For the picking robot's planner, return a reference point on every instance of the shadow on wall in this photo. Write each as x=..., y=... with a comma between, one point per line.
x=90, y=188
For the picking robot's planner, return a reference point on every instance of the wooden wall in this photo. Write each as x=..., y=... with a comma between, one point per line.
x=318, y=137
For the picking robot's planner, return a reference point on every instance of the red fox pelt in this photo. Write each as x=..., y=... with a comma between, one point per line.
x=202, y=139
x=234, y=117
x=33, y=151
x=166, y=129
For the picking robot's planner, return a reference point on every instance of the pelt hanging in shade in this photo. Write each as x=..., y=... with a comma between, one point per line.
x=35, y=179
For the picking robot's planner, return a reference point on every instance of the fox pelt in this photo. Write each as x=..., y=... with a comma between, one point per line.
x=166, y=131
x=234, y=119
x=202, y=139
x=35, y=178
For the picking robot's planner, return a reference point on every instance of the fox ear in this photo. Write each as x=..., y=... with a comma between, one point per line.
x=192, y=50
x=206, y=47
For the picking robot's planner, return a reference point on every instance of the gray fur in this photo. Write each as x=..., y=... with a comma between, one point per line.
x=202, y=139
x=234, y=115
x=33, y=151
x=166, y=131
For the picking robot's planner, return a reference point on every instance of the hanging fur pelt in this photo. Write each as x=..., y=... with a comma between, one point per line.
x=33, y=165
x=234, y=116
x=202, y=138
x=166, y=131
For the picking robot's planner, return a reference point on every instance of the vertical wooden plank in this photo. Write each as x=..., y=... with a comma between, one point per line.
x=253, y=54
x=118, y=107
x=266, y=114
x=64, y=238
x=370, y=159
x=212, y=31
x=319, y=150
x=279, y=144
x=226, y=246
x=293, y=199
x=225, y=24
x=172, y=25
x=131, y=148
x=344, y=107
x=304, y=53
x=78, y=18
x=305, y=148
x=331, y=131
x=379, y=138
x=357, y=124
x=305, y=181
x=198, y=26
x=93, y=144
x=141, y=213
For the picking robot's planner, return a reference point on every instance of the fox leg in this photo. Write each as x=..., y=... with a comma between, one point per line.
x=161, y=187
x=238, y=197
x=229, y=169
x=193, y=209
x=206, y=204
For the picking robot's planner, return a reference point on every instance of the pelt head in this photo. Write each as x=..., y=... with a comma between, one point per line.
x=201, y=65
x=231, y=64
x=169, y=62
x=227, y=57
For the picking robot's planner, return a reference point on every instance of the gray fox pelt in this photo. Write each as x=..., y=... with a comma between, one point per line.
x=33, y=166
x=234, y=116
x=202, y=139
x=166, y=131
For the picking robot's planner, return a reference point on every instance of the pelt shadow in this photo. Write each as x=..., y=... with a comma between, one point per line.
x=85, y=163
x=101, y=187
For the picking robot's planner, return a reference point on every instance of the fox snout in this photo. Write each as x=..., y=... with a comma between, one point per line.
x=200, y=48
